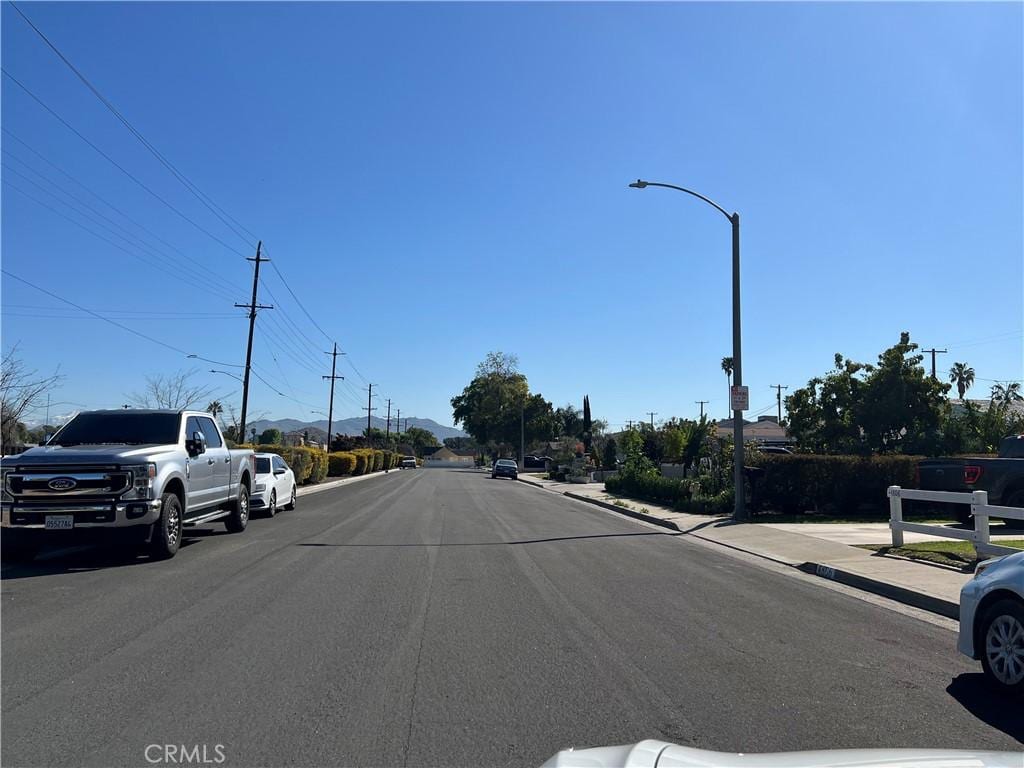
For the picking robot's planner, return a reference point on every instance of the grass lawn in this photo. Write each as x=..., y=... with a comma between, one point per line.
x=958, y=554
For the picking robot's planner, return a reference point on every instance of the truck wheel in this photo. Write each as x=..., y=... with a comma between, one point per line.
x=239, y=517
x=17, y=549
x=1014, y=499
x=1002, y=646
x=166, y=536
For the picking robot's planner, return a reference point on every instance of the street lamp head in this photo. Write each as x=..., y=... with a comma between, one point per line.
x=638, y=184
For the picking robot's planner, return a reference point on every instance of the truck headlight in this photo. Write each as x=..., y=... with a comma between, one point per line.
x=143, y=478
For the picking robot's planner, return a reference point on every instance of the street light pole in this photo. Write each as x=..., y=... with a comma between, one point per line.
x=740, y=512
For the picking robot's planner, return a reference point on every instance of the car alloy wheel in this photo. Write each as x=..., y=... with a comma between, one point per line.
x=172, y=527
x=272, y=509
x=1004, y=649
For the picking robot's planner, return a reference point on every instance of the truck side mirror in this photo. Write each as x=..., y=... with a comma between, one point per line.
x=197, y=445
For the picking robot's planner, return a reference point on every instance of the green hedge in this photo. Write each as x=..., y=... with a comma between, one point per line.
x=364, y=461
x=319, y=464
x=845, y=484
x=299, y=458
x=676, y=493
x=341, y=463
x=378, y=461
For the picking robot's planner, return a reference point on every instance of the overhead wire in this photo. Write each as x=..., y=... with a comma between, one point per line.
x=117, y=165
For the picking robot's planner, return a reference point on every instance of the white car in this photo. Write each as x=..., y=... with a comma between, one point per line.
x=992, y=620
x=662, y=754
x=274, y=486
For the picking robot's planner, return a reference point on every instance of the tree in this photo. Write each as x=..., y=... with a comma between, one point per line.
x=419, y=439
x=858, y=408
x=460, y=443
x=568, y=421
x=963, y=376
x=214, y=408
x=21, y=391
x=587, y=423
x=172, y=391
x=1007, y=394
x=270, y=436
x=610, y=455
x=727, y=367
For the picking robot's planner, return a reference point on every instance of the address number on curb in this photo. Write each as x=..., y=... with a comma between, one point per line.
x=826, y=571
x=893, y=493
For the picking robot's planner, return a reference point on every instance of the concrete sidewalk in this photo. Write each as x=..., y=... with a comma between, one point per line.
x=930, y=587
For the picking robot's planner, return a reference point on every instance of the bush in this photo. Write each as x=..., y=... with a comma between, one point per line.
x=319, y=468
x=378, y=461
x=843, y=484
x=341, y=463
x=364, y=461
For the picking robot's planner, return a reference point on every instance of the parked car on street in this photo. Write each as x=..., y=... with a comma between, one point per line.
x=1002, y=477
x=505, y=468
x=275, y=486
x=408, y=462
x=992, y=621
x=140, y=474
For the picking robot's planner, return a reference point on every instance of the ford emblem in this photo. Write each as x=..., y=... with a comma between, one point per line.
x=62, y=484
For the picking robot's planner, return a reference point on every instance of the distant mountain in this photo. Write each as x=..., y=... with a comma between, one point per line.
x=354, y=426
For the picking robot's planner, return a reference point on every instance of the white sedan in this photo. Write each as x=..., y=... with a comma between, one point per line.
x=274, y=483
x=992, y=620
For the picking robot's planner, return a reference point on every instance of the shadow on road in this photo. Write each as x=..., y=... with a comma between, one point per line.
x=496, y=543
x=90, y=556
x=998, y=710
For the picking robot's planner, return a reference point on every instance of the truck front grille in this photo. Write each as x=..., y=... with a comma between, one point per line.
x=55, y=483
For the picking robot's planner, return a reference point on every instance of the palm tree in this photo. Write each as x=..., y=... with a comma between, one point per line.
x=1006, y=394
x=215, y=409
x=963, y=376
x=727, y=367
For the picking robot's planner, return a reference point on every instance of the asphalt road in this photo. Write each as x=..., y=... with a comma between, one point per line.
x=438, y=617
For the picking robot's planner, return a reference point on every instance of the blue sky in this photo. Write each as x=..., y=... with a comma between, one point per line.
x=435, y=181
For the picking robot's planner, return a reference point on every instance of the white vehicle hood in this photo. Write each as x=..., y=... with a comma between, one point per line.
x=662, y=754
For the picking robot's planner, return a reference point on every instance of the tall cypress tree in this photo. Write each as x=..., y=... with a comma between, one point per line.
x=586, y=422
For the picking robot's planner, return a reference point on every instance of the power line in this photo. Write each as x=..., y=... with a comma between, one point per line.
x=202, y=197
x=95, y=314
x=139, y=257
x=103, y=200
x=117, y=165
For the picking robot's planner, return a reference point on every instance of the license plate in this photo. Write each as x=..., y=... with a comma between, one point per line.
x=59, y=522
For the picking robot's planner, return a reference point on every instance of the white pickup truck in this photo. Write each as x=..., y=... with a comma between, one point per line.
x=137, y=474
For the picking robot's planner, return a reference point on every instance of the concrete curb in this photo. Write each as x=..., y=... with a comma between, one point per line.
x=306, y=490
x=534, y=483
x=903, y=595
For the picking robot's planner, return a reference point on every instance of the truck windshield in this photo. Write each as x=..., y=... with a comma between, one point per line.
x=119, y=429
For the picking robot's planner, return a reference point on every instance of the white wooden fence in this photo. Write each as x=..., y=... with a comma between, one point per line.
x=981, y=511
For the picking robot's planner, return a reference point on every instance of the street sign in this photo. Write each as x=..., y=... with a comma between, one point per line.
x=740, y=397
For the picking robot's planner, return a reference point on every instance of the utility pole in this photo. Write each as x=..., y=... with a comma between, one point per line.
x=778, y=397
x=398, y=423
x=629, y=425
x=252, y=307
x=388, y=433
x=406, y=425
x=933, y=353
x=333, y=377
x=702, y=403
x=369, y=410
x=522, y=436
x=652, y=414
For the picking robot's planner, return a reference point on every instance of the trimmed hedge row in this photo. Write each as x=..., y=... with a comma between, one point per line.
x=843, y=484
x=361, y=461
x=676, y=493
x=308, y=464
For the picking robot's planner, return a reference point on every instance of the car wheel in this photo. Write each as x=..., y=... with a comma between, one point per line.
x=1002, y=645
x=18, y=549
x=239, y=517
x=291, y=504
x=272, y=509
x=1014, y=499
x=166, y=537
